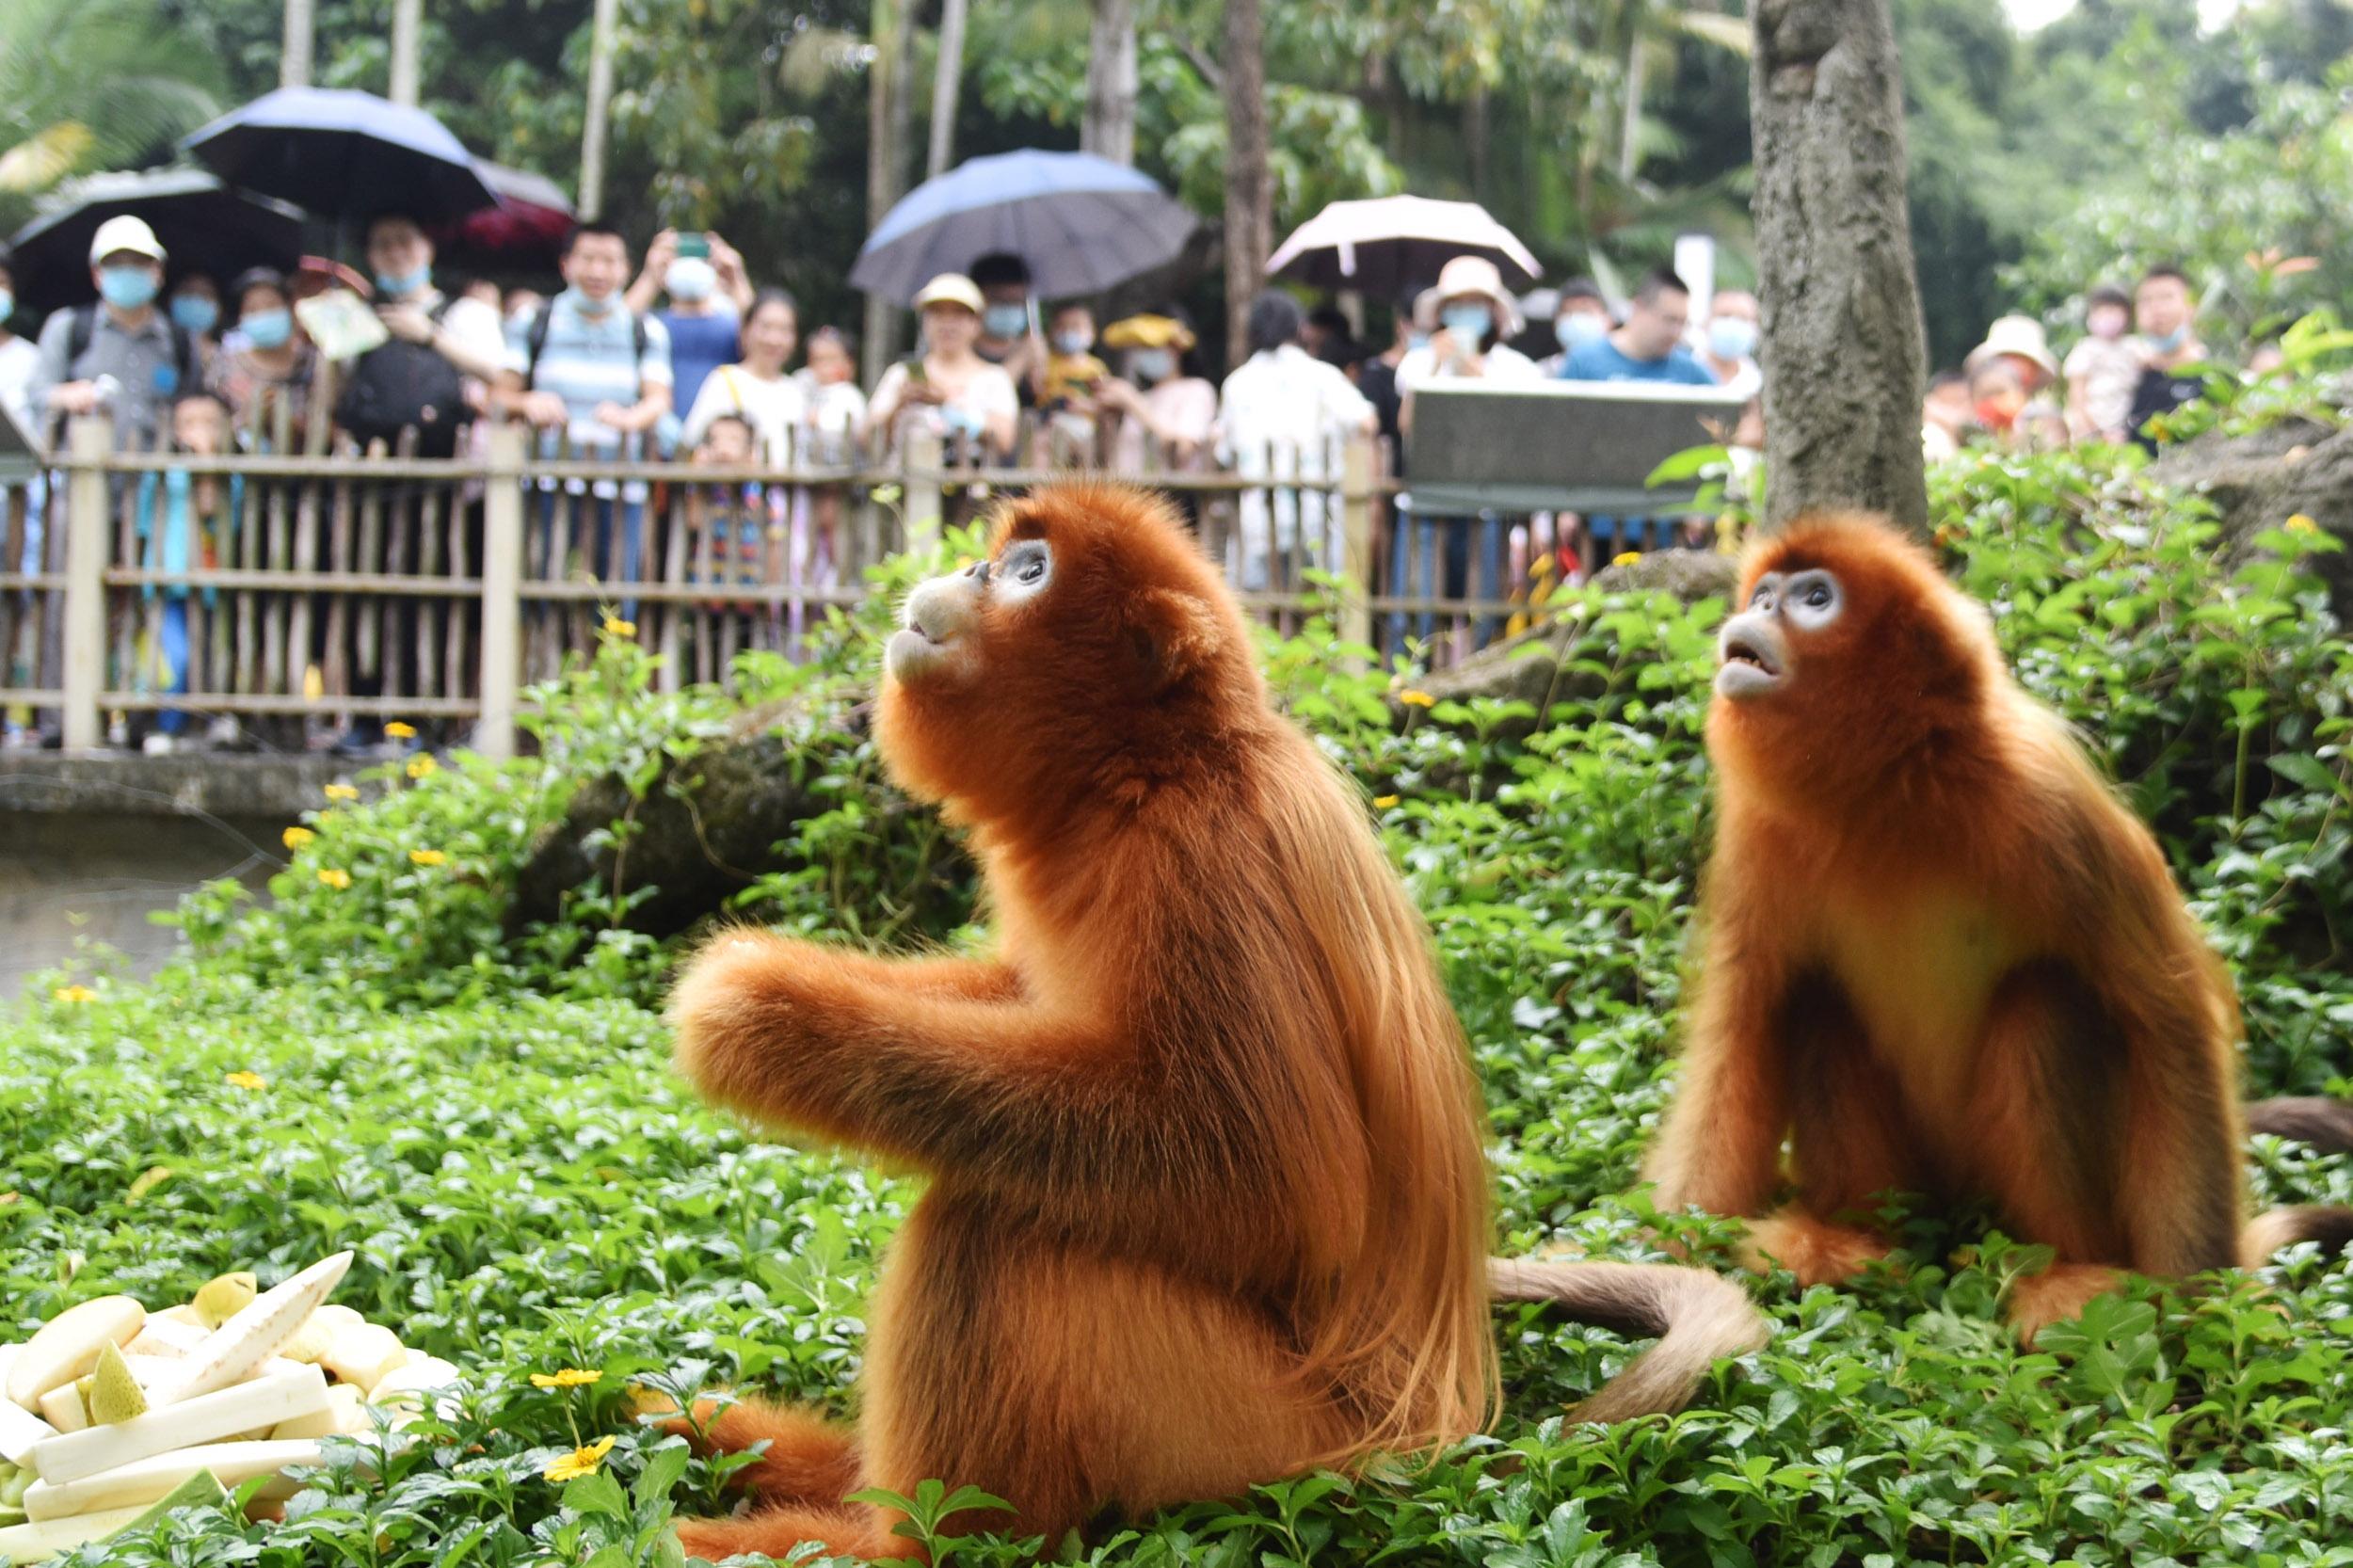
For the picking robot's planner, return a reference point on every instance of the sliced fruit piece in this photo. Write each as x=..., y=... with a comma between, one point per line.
x=114, y=1394
x=260, y=1404
x=67, y=1346
x=253, y=1334
x=167, y=1335
x=224, y=1298
x=411, y=1388
x=20, y=1429
x=346, y=1414
x=147, y=1480
x=37, y=1543
x=62, y=1408
x=184, y=1313
x=364, y=1355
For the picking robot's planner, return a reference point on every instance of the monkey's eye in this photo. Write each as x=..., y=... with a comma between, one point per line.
x=1024, y=570
x=1813, y=599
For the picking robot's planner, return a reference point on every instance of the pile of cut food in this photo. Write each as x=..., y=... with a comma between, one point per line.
x=112, y=1414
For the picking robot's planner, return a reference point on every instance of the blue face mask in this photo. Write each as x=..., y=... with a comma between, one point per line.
x=1152, y=364
x=1580, y=327
x=1005, y=321
x=1416, y=339
x=267, y=328
x=1073, y=344
x=194, y=313
x=2172, y=340
x=1466, y=321
x=399, y=286
x=127, y=288
x=1731, y=338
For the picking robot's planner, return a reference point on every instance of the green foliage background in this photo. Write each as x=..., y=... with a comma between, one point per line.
x=487, y=1117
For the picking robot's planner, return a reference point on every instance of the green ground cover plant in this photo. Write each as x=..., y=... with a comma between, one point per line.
x=487, y=1117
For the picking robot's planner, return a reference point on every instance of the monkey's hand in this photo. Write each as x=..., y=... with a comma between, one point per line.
x=740, y=1009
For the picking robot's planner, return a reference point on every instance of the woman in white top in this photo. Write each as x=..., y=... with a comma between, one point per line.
x=950, y=387
x=757, y=389
x=1285, y=415
x=1166, y=414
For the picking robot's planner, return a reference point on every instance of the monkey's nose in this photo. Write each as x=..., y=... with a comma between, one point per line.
x=978, y=571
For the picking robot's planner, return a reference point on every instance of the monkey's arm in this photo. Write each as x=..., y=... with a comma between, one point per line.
x=1719, y=1148
x=959, y=1073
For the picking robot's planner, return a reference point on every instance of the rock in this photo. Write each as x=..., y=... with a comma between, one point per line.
x=2258, y=482
x=705, y=830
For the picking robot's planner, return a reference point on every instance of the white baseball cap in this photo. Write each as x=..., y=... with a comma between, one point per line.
x=124, y=232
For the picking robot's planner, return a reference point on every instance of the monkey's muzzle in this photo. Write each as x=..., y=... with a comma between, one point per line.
x=933, y=628
x=1752, y=655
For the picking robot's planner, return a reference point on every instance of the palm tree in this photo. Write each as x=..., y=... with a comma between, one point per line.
x=88, y=85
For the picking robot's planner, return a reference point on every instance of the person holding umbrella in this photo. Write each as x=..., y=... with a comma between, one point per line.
x=1008, y=335
x=122, y=354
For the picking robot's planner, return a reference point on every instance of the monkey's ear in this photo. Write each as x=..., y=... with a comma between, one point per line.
x=1175, y=633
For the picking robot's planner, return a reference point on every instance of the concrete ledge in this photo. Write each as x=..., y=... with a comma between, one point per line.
x=275, y=788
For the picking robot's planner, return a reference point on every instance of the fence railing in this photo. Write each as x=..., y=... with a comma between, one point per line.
x=295, y=593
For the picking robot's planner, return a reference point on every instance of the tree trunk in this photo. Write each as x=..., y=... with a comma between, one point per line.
x=407, y=18
x=294, y=58
x=887, y=118
x=947, y=75
x=1630, y=106
x=592, y=136
x=1110, y=129
x=1843, y=346
x=1249, y=188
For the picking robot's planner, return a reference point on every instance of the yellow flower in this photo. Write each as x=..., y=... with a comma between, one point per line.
x=1416, y=699
x=426, y=856
x=616, y=627
x=298, y=837
x=420, y=766
x=400, y=731
x=247, y=1080
x=336, y=878
x=1382, y=803
x=1625, y=558
x=342, y=792
x=75, y=993
x=579, y=1461
x=570, y=1377
x=2299, y=523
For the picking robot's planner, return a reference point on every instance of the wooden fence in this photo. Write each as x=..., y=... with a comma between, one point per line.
x=296, y=592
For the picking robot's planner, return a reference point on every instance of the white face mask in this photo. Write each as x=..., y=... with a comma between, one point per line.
x=690, y=280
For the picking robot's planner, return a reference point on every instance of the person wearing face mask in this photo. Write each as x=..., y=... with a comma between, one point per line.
x=195, y=307
x=1008, y=336
x=1580, y=314
x=123, y=353
x=2162, y=310
x=417, y=380
x=1166, y=412
x=1730, y=348
x=709, y=294
x=265, y=364
x=1073, y=379
x=2101, y=370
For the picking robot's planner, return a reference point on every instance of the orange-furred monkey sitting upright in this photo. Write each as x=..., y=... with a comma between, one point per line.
x=1939, y=956
x=1208, y=1204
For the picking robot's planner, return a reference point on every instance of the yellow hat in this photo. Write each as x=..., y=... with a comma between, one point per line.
x=951, y=288
x=1148, y=331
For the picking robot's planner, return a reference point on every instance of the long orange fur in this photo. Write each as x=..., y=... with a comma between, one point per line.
x=1208, y=1204
x=1939, y=955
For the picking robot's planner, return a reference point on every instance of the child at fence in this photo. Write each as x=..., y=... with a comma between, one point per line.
x=184, y=518
x=1073, y=377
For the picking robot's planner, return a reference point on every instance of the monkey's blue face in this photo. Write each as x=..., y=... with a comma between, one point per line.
x=1757, y=647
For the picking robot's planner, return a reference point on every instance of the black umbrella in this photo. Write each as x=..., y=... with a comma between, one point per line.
x=204, y=227
x=343, y=154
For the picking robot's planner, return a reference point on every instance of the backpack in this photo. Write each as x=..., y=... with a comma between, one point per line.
x=535, y=343
x=401, y=384
x=83, y=325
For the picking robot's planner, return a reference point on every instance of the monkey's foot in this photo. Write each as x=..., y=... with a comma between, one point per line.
x=1817, y=1252
x=2059, y=1292
x=843, y=1531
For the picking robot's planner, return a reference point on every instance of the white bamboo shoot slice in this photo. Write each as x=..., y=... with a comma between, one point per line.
x=136, y=1484
x=20, y=1429
x=165, y=1335
x=260, y=1404
x=67, y=1346
x=63, y=1409
x=345, y=1416
x=254, y=1335
x=37, y=1543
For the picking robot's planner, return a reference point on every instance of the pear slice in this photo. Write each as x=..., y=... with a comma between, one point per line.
x=115, y=1394
x=225, y=1297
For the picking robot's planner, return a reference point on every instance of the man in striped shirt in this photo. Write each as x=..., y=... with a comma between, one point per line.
x=588, y=366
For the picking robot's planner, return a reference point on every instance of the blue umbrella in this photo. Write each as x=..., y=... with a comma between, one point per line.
x=343, y=154
x=1082, y=224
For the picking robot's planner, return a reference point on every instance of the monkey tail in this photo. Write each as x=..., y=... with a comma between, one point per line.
x=2315, y=1119
x=2330, y=1225
x=1698, y=1318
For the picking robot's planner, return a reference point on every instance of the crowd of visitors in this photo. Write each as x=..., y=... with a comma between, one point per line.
x=682, y=357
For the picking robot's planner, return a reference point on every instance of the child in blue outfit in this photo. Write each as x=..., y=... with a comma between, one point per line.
x=184, y=519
